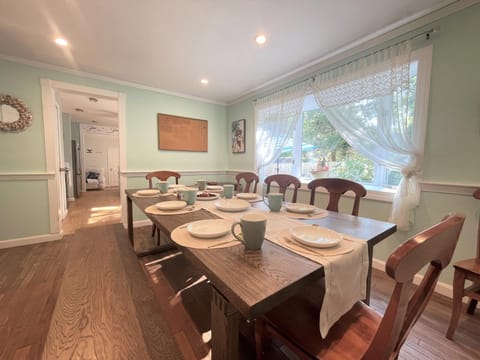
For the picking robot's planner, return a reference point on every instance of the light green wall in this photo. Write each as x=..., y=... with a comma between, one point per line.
x=452, y=141
x=242, y=161
x=25, y=151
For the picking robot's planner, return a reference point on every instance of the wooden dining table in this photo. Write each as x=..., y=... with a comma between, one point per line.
x=248, y=283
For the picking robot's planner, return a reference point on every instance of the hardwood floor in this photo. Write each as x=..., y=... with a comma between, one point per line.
x=89, y=297
x=83, y=297
x=93, y=208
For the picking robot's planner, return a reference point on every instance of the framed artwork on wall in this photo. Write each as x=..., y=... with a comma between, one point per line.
x=238, y=136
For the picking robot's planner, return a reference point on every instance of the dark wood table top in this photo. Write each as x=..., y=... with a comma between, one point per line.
x=254, y=281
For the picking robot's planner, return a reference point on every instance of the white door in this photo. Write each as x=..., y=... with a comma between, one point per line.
x=113, y=163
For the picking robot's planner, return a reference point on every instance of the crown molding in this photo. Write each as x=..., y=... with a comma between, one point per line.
x=383, y=35
x=41, y=65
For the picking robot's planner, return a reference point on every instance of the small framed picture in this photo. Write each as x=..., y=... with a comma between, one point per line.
x=238, y=136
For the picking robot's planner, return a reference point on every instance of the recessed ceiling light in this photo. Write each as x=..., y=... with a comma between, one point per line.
x=261, y=39
x=204, y=81
x=61, y=42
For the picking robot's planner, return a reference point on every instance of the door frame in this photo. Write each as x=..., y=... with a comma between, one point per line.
x=51, y=135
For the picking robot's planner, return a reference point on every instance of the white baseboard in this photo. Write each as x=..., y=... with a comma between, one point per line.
x=440, y=288
x=4, y=244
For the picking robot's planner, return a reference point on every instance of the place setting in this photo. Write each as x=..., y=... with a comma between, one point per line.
x=250, y=197
x=313, y=240
x=147, y=193
x=221, y=233
x=176, y=207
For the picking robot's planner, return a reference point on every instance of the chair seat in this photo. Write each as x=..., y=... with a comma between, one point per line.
x=349, y=338
x=468, y=265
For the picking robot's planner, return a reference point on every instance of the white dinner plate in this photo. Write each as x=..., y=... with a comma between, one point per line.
x=247, y=196
x=214, y=188
x=148, y=192
x=208, y=229
x=209, y=197
x=315, y=236
x=232, y=205
x=176, y=186
x=300, y=208
x=171, y=205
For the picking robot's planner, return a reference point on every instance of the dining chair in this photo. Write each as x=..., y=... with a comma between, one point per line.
x=336, y=188
x=162, y=175
x=362, y=333
x=284, y=181
x=250, y=179
x=468, y=269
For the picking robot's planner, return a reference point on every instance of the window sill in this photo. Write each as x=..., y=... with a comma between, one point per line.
x=376, y=193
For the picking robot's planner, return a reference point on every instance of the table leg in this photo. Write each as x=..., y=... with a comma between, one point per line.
x=369, y=275
x=225, y=328
x=130, y=220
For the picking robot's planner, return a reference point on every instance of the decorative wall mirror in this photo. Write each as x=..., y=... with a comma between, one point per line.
x=14, y=114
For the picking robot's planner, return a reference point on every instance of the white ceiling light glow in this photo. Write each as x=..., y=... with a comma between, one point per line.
x=261, y=39
x=61, y=42
x=204, y=81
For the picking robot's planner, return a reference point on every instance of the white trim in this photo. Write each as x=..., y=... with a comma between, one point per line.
x=85, y=74
x=49, y=87
x=142, y=173
x=441, y=288
x=11, y=176
x=449, y=188
x=122, y=143
x=4, y=244
x=51, y=139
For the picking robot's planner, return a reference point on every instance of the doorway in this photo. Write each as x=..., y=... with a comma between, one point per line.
x=74, y=103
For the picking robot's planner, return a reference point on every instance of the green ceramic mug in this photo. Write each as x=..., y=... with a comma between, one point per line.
x=274, y=201
x=189, y=195
x=228, y=191
x=163, y=186
x=253, y=228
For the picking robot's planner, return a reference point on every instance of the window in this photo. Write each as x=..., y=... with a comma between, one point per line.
x=316, y=150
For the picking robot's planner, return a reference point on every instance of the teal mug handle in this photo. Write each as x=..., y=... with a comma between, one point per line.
x=237, y=236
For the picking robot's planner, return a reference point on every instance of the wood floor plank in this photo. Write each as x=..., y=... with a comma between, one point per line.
x=94, y=317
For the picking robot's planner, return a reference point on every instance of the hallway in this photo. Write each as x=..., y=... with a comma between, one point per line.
x=93, y=208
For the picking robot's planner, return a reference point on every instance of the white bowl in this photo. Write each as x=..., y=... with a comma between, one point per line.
x=148, y=192
x=171, y=205
x=247, y=196
x=315, y=236
x=232, y=205
x=209, y=229
x=300, y=208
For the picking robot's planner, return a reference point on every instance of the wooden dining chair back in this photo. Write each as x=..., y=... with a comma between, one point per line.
x=163, y=175
x=284, y=181
x=250, y=179
x=362, y=333
x=336, y=188
x=468, y=269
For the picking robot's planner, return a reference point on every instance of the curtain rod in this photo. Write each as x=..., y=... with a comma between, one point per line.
x=425, y=33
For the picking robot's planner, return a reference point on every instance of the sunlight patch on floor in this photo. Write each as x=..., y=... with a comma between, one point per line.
x=98, y=214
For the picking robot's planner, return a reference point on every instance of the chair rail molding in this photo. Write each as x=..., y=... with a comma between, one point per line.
x=27, y=176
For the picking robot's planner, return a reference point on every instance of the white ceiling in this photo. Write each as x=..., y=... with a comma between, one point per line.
x=171, y=45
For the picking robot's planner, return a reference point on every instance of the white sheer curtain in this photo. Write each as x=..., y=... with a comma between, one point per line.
x=371, y=102
x=275, y=117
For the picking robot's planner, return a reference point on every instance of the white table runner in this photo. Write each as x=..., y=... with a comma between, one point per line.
x=345, y=266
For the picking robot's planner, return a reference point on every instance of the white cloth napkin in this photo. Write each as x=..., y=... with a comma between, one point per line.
x=345, y=275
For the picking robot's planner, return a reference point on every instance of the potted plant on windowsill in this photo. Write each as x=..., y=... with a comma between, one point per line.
x=321, y=170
